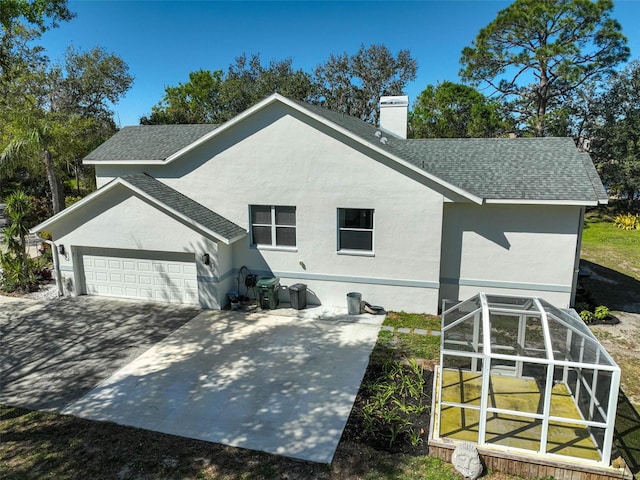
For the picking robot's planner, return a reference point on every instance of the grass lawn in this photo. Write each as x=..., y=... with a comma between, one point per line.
x=612, y=256
x=605, y=244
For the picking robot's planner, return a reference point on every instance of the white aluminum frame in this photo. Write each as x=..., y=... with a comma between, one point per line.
x=488, y=354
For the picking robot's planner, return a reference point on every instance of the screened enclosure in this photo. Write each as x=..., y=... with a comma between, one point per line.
x=519, y=374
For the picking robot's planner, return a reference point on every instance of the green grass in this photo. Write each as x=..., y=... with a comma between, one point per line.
x=605, y=244
x=612, y=255
x=412, y=320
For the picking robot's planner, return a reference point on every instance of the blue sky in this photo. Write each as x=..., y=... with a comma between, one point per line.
x=162, y=41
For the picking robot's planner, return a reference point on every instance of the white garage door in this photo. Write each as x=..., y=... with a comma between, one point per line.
x=154, y=276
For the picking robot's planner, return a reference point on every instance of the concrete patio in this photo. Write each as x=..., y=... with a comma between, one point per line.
x=281, y=381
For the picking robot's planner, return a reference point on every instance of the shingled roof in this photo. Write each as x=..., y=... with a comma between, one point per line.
x=185, y=206
x=492, y=169
x=165, y=198
x=148, y=142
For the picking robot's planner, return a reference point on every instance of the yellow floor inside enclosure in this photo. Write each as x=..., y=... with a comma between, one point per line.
x=520, y=395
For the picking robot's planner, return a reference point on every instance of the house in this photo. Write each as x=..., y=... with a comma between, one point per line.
x=317, y=197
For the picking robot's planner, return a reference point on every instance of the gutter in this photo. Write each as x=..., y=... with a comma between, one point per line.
x=56, y=265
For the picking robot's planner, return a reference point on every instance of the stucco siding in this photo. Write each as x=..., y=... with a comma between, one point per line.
x=120, y=220
x=278, y=158
x=512, y=249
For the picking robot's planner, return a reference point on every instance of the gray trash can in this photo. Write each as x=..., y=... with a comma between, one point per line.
x=354, y=302
x=298, y=296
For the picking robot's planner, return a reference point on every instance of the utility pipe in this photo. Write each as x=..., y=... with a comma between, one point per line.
x=56, y=265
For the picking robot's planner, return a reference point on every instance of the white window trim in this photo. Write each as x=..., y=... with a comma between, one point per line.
x=361, y=253
x=273, y=226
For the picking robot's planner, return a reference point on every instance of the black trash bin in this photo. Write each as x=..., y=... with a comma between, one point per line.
x=298, y=296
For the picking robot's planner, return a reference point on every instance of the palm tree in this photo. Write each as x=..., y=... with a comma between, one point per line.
x=15, y=262
x=37, y=136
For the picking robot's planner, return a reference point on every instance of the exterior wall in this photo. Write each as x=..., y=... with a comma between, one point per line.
x=280, y=157
x=514, y=249
x=120, y=220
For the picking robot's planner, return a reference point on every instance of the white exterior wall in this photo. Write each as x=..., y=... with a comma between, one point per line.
x=277, y=158
x=525, y=249
x=120, y=220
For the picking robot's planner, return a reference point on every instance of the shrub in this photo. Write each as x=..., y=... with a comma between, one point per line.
x=15, y=277
x=587, y=316
x=395, y=403
x=626, y=221
x=70, y=200
x=601, y=312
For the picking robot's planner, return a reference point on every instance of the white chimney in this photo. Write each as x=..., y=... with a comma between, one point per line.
x=393, y=115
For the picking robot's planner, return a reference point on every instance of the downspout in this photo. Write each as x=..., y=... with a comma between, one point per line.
x=56, y=265
x=576, y=263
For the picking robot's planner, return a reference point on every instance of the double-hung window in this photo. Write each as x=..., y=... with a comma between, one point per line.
x=273, y=226
x=355, y=230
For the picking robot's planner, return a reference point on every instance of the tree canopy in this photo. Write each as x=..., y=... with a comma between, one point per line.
x=452, y=110
x=349, y=83
x=216, y=96
x=353, y=84
x=536, y=53
x=59, y=114
x=615, y=133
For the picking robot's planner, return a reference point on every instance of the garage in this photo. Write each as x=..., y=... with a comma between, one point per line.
x=159, y=276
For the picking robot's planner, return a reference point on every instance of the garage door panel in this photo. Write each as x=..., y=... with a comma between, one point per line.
x=143, y=266
x=189, y=269
x=144, y=278
x=128, y=265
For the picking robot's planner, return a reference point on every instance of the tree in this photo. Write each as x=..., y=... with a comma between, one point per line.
x=196, y=101
x=536, y=53
x=215, y=96
x=353, y=84
x=43, y=14
x=452, y=110
x=15, y=261
x=615, y=133
x=36, y=137
x=17, y=15
x=82, y=88
x=248, y=81
x=88, y=83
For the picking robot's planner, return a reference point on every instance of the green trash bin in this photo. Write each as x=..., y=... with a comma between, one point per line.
x=268, y=292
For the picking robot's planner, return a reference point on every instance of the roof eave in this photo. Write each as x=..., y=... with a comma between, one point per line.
x=186, y=220
x=123, y=162
x=279, y=98
x=524, y=201
x=76, y=206
x=119, y=181
x=227, y=125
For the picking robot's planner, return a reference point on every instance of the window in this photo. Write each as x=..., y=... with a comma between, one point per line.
x=355, y=229
x=273, y=226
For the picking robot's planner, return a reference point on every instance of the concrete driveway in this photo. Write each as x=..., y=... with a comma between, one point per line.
x=280, y=381
x=52, y=353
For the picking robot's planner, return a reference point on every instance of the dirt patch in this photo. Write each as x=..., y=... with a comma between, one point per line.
x=622, y=341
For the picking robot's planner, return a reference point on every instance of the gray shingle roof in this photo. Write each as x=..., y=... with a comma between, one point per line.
x=531, y=169
x=548, y=168
x=148, y=142
x=536, y=169
x=182, y=204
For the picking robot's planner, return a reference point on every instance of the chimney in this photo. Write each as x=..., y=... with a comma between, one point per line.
x=393, y=115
